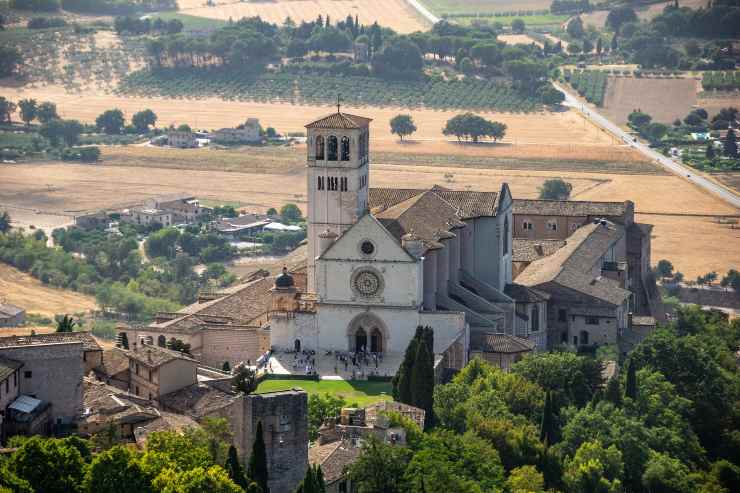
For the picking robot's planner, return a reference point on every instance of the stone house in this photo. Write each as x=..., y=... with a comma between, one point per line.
x=155, y=371
x=589, y=299
x=92, y=220
x=248, y=133
x=184, y=208
x=11, y=315
x=220, y=327
x=142, y=216
x=114, y=369
x=53, y=367
x=183, y=139
x=9, y=388
x=500, y=350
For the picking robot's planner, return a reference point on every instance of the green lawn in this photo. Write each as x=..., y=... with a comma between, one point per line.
x=483, y=6
x=362, y=393
x=191, y=22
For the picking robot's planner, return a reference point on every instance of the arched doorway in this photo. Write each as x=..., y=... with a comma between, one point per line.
x=297, y=345
x=376, y=341
x=360, y=340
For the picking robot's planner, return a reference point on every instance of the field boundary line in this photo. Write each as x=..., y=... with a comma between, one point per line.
x=423, y=11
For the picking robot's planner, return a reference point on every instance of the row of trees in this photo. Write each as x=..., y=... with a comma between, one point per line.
x=196, y=460
x=666, y=422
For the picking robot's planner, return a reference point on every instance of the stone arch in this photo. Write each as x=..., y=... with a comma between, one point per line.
x=332, y=148
x=319, y=147
x=345, y=149
x=370, y=326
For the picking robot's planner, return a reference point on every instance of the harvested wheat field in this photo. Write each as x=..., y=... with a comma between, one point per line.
x=717, y=101
x=84, y=187
x=663, y=99
x=648, y=12
x=560, y=135
x=23, y=290
x=481, y=6
x=396, y=14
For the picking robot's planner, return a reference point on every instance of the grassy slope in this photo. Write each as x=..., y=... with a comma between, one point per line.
x=361, y=393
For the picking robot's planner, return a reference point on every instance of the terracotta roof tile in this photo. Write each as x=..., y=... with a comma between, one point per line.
x=427, y=215
x=525, y=294
x=468, y=204
x=333, y=458
x=7, y=367
x=154, y=356
x=499, y=343
x=88, y=341
x=197, y=400
x=568, y=208
x=530, y=250
x=340, y=121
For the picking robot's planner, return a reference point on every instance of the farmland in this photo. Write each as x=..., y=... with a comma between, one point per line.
x=663, y=99
x=645, y=12
x=440, y=7
x=23, y=290
x=591, y=84
x=396, y=14
x=676, y=208
x=722, y=81
x=321, y=89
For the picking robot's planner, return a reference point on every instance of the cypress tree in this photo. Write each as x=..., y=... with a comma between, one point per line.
x=547, y=428
x=313, y=482
x=402, y=379
x=235, y=470
x=730, y=145
x=614, y=391
x=631, y=385
x=422, y=381
x=257, y=470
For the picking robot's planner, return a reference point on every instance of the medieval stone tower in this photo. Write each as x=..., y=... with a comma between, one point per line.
x=338, y=170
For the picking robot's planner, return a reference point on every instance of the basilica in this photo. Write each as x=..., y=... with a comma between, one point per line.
x=383, y=261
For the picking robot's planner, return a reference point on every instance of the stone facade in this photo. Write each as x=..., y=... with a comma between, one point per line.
x=9, y=388
x=53, y=373
x=284, y=417
x=233, y=344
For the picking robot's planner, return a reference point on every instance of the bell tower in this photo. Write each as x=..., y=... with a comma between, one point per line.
x=338, y=171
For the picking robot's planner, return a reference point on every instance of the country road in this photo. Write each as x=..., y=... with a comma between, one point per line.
x=668, y=163
x=423, y=11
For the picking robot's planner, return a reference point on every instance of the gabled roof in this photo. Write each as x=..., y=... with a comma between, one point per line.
x=154, y=356
x=88, y=341
x=427, y=215
x=468, y=204
x=568, y=208
x=10, y=310
x=489, y=342
x=572, y=264
x=341, y=121
x=333, y=458
x=524, y=250
x=197, y=400
x=523, y=294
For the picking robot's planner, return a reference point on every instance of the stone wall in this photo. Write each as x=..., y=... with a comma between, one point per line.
x=52, y=373
x=231, y=344
x=284, y=417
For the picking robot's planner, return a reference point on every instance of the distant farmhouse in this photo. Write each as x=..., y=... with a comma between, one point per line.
x=247, y=133
x=166, y=210
x=183, y=139
x=11, y=315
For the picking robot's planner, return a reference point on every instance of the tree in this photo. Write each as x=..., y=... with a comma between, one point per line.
x=111, y=122
x=196, y=480
x=272, y=212
x=37, y=456
x=594, y=469
x=66, y=324
x=4, y=222
x=290, y=213
x=613, y=392
x=7, y=108
x=709, y=152
x=380, y=468
x=555, y=189
x=402, y=125
x=116, y=470
x=551, y=96
x=257, y=469
x=402, y=379
x=400, y=59
x=654, y=132
x=235, y=470
x=467, y=66
x=46, y=112
x=730, y=144
x=28, y=110
x=548, y=427
x=321, y=408
x=244, y=379
x=526, y=479
x=313, y=482
x=10, y=60
x=664, y=474
x=57, y=130
x=422, y=382
x=619, y=16
x=732, y=279
x=630, y=388
x=143, y=120
x=664, y=268
x=575, y=28
x=517, y=26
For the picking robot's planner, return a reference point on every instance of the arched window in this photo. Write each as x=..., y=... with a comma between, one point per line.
x=506, y=235
x=161, y=341
x=319, y=147
x=332, y=149
x=345, y=148
x=535, y=318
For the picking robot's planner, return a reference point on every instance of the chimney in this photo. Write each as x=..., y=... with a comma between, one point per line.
x=629, y=320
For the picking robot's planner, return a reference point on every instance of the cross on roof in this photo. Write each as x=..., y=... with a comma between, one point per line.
x=338, y=104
